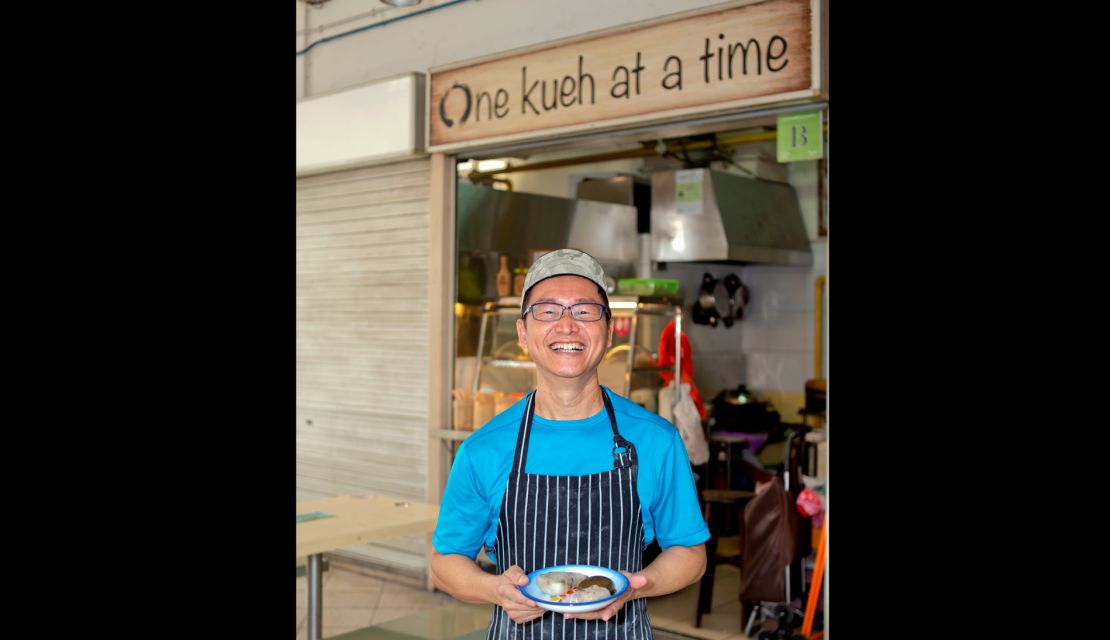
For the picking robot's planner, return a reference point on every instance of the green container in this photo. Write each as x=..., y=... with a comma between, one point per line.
x=647, y=287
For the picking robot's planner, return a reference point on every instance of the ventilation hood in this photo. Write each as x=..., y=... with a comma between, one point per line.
x=493, y=223
x=702, y=215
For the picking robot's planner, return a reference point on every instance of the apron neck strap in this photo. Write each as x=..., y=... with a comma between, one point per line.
x=523, y=433
x=624, y=454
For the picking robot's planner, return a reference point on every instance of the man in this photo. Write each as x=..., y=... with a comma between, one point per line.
x=570, y=474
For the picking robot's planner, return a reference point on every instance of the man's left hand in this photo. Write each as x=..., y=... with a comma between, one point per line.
x=636, y=583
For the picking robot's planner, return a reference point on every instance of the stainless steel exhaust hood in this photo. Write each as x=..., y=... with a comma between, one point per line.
x=705, y=215
x=492, y=223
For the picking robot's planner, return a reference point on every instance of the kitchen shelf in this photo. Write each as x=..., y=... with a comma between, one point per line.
x=495, y=367
x=514, y=364
x=498, y=324
x=451, y=434
x=499, y=371
x=646, y=307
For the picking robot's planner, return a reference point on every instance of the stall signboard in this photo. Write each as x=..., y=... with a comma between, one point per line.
x=725, y=58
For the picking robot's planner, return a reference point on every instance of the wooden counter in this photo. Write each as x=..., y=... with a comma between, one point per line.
x=359, y=520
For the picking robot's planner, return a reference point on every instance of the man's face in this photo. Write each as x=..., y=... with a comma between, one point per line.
x=567, y=347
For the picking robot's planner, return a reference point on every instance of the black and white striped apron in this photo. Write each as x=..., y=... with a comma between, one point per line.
x=554, y=520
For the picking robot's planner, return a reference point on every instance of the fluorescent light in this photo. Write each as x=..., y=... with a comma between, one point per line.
x=483, y=165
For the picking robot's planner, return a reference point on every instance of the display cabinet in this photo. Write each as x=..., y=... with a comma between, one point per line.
x=502, y=372
x=492, y=371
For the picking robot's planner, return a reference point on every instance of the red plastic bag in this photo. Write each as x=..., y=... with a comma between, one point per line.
x=810, y=503
x=666, y=359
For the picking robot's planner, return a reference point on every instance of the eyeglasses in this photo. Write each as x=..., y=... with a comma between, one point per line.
x=552, y=311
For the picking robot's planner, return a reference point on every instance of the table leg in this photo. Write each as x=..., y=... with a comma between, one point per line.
x=315, y=597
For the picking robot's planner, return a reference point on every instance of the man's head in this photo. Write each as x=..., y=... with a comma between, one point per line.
x=564, y=340
x=565, y=262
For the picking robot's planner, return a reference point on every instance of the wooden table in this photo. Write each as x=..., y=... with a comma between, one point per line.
x=357, y=519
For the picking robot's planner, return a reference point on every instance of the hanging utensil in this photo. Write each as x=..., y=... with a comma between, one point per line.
x=738, y=295
x=704, y=310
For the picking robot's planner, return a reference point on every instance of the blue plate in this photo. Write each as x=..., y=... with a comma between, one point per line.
x=532, y=592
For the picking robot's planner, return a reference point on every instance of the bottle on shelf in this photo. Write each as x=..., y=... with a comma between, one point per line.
x=518, y=279
x=504, y=278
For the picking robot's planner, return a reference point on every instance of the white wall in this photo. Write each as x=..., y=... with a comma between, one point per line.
x=455, y=33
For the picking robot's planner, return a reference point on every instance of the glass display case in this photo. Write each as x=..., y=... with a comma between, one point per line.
x=494, y=371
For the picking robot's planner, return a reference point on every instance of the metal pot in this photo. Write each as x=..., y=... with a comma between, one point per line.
x=738, y=410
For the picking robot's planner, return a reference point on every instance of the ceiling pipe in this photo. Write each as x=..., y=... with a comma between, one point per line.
x=647, y=150
x=375, y=25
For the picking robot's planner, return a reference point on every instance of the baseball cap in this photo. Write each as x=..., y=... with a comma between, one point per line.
x=563, y=262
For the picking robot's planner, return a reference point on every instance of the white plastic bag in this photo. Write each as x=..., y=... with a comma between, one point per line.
x=688, y=421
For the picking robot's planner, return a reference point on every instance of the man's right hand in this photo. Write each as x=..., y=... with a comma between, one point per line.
x=508, y=597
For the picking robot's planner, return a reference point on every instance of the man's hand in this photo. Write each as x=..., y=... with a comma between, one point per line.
x=636, y=583
x=508, y=597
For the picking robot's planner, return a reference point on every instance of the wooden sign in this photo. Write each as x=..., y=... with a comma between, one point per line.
x=705, y=61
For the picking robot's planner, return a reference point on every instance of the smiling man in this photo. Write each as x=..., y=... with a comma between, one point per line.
x=571, y=474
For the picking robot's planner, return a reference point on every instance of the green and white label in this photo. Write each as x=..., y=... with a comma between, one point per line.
x=688, y=191
x=800, y=136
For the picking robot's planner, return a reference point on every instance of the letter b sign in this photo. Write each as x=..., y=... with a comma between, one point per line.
x=800, y=136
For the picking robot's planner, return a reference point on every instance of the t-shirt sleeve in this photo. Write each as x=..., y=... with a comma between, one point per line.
x=464, y=510
x=677, y=516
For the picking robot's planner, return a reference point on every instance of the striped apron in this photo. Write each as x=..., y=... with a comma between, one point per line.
x=554, y=520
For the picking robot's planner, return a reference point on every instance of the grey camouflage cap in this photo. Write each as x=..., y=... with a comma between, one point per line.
x=563, y=262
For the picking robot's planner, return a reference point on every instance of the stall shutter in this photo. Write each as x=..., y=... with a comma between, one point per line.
x=362, y=352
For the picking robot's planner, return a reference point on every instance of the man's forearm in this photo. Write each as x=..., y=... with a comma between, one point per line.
x=675, y=568
x=461, y=577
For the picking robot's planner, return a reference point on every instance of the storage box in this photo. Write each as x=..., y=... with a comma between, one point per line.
x=647, y=287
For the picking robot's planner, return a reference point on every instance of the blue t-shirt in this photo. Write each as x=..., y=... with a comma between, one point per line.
x=471, y=503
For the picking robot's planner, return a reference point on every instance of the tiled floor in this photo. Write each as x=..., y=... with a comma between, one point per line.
x=675, y=612
x=353, y=601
